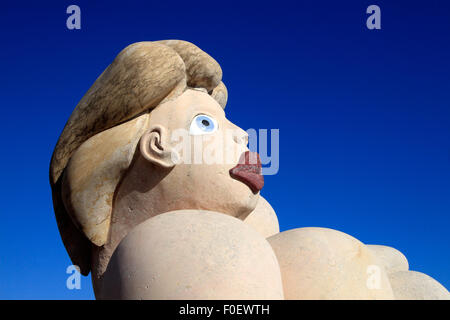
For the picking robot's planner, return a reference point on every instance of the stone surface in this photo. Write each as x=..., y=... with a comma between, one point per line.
x=249, y=171
x=413, y=285
x=141, y=77
x=220, y=94
x=154, y=184
x=392, y=259
x=320, y=263
x=201, y=69
x=193, y=254
x=93, y=173
x=149, y=227
x=122, y=91
x=263, y=219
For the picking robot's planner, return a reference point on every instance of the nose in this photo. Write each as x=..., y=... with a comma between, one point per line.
x=240, y=136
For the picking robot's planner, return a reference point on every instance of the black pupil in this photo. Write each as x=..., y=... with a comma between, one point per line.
x=205, y=123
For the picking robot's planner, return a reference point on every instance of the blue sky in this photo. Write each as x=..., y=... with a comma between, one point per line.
x=364, y=115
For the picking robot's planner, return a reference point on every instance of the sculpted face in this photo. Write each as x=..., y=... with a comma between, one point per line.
x=191, y=147
x=142, y=142
x=148, y=178
x=186, y=159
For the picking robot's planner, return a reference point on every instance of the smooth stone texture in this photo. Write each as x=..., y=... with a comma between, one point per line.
x=220, y=94
x=93, y=173
x=193, y=254
x=119, y=93
x=320, y=263
x=155, y=183
x=201, y=69
x=263, y=219
x=141, y=77
x=413, y=285
x=248, y=171
x=392, y=259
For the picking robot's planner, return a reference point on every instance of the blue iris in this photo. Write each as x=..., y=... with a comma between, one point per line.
x=205, y=123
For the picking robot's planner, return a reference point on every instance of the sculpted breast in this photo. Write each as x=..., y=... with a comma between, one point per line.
x=193, y=254
x=325, y=264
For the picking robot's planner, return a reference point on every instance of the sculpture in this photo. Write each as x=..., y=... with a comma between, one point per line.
x=150, y=225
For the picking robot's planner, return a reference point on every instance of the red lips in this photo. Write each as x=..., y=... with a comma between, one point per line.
x=248, y=171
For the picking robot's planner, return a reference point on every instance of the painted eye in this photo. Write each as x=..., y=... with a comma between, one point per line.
x=203, y=124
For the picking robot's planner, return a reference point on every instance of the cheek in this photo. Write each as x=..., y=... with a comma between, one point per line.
x=212, y=181
x=212, y=188
x=219, y=148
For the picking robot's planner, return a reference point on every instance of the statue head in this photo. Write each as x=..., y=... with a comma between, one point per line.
x=150, y=136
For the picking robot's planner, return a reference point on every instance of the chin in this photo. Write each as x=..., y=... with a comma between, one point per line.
x=244, y=204
x=241, y=199
x=250, y=206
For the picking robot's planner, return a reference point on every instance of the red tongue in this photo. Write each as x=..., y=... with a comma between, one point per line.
x=248, y=171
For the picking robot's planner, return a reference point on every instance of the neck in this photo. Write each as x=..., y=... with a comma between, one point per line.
x=137, y=199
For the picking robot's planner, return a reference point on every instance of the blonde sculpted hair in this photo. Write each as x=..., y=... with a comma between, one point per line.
x=99, y=140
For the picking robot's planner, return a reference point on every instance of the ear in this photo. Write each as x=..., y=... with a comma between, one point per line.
x=156, y=148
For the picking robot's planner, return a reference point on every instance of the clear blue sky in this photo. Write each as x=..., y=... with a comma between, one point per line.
x=364, y=116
